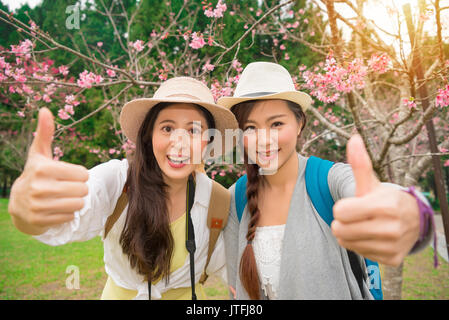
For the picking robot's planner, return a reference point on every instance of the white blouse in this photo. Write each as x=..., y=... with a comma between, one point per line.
x=267, y=245
x=106, y=182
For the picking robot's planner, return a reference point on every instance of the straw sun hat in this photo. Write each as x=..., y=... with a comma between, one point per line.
x=176, y=90
x=263, y=81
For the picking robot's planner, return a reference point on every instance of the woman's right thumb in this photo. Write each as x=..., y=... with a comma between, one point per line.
x=44, y=134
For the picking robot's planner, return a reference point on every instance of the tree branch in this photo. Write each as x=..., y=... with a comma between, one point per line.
x=329, y=125
x=60, y=130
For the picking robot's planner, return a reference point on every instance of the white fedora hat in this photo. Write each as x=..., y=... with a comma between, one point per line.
x=175, y=90
x=264, y=81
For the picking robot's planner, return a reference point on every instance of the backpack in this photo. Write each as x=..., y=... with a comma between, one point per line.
x=318, y=190
x=217, y=217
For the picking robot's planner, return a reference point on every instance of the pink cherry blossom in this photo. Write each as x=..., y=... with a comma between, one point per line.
x=163, y=76
x=69, y=109
x=217, y=12
x=27, y=89
x=57, y=152
x=442, y=98
x=46, y=98
x=409, y=102
x=128, y=146
x=379, y=63
x=99, y=44
x=22, y=49
x=33, y=25
x=197, y=41
x=327, y=82
x=87, y=79
x=64, y=70
x=208, y=66
x=21, y=114
x=111, y=73
x=137, y=45
x=209, y=13
x=18, y=75
x=63, y=114
x=237, y=65
x=70, y=99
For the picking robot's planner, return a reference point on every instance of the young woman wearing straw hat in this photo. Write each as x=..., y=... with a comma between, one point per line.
x=147, y=209
x=284, y=238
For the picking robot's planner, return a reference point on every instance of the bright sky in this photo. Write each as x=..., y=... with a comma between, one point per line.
x=14, y=4
x=378, y=13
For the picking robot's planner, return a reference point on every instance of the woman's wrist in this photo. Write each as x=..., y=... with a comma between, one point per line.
x=427, y=223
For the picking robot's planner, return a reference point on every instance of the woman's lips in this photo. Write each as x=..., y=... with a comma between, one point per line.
x=268, y=156
x=176, y=162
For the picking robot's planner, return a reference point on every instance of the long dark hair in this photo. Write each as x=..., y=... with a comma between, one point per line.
x=248, y=267
x=146, y=237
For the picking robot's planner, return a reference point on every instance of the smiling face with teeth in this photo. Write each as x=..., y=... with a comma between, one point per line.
x=177, y=139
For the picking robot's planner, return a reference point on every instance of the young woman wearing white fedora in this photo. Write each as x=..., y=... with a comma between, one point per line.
x=285, y=238
x=151, y=211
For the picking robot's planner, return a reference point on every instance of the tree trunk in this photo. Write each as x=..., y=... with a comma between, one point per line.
x=392, y=282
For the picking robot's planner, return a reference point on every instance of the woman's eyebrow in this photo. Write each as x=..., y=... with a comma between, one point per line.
x=170, y=121
x=269, y=119
x=188, y=123
x=196, y=122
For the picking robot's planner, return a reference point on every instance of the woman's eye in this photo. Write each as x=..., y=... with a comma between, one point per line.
x=166, y=129
x=277, y=124
x=249, y=129
x=195, y=131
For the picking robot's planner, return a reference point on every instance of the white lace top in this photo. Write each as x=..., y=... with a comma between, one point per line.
x=267, y=245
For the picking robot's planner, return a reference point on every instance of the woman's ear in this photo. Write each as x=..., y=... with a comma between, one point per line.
x=300, y=124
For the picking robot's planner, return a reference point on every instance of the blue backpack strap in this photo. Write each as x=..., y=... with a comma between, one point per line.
x=374, y=279
x=240, y=195
x=317, y=187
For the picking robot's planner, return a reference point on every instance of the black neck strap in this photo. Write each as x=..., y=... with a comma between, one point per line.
x=190, y=236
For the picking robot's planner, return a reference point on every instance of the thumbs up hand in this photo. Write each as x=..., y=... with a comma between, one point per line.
x=380, y=222
x=48, y=192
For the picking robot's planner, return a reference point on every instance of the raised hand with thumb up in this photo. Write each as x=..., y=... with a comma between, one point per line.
x=48, y=192
x=380, y=222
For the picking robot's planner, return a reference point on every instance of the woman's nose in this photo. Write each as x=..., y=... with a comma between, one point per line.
x=267, y=138
x=179, y=140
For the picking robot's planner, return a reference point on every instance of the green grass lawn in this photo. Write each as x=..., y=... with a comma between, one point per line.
x=33, y=270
